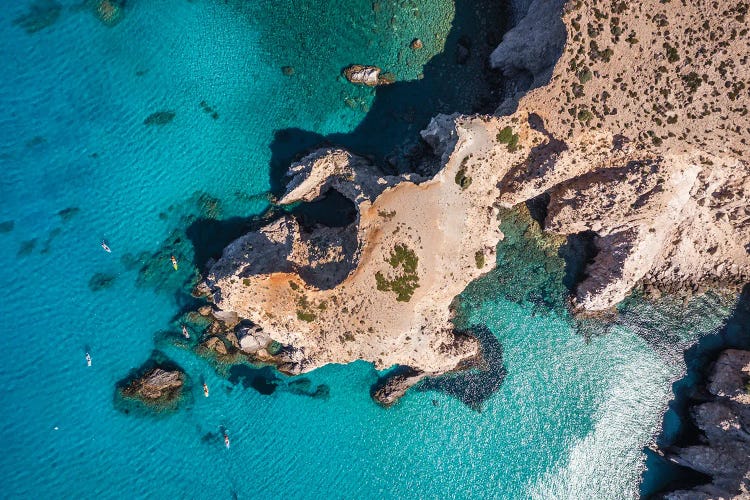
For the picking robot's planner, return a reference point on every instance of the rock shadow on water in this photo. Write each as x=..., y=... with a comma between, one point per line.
x=661, y=475
x=457, y=80
x=476, y=385
x=265, y=381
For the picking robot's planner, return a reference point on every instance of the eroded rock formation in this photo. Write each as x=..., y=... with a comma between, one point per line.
x=159, y=386
x=639, y=138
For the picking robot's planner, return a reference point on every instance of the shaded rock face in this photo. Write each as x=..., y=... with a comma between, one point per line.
x=158, y=386
x=390, y=388
x=723, y=452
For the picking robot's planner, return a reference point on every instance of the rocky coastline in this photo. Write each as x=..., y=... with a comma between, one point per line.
x=721, y=451
x=619, y=140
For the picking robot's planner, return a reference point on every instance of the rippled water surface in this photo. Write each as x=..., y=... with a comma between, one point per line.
x=146, y=133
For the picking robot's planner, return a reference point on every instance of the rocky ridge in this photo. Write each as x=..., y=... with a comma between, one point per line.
x=639, y=137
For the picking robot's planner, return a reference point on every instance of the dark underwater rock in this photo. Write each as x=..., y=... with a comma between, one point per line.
x=67, y=214
x=7, y=226
x=101, y=281
x=42, y=14
x=27, y=247
x=159, y=118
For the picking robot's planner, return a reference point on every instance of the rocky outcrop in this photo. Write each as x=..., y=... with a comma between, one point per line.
x=367, y=75
x=389, y=389
x=378, y=289
x=638, y=138
x=531, y=48
x=157, y=386
x=724, y=419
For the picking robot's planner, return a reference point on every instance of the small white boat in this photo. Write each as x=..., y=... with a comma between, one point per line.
x=226, y=440
x=88, y=359
x=185, y=332
x=106, y=247
x=205, y=389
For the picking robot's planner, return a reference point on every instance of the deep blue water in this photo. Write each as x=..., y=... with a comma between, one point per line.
x=569, y=407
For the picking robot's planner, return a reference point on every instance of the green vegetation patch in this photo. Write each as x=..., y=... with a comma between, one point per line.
x=406, y=280
x=506, y=136
x=303, y=309
x=672, y=55
x=479, y=259
x=462, y=179
x=585, y=115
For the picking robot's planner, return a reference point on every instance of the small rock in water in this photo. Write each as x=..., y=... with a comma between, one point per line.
x=156, y=385
x=110, y=11
x=416, y=44
x=367, y=75
x=159, y=118
x=287, y=70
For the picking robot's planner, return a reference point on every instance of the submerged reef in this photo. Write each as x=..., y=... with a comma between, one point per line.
x=42, y=14
x=159, y=118
x=622, y=151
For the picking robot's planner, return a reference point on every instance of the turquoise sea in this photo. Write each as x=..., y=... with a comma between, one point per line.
x=563, y=410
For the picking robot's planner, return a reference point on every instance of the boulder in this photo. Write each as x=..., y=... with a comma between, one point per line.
x=157, y=385
x=391, y=387
x=252, y=339
x=217, y=345
x=367, y=75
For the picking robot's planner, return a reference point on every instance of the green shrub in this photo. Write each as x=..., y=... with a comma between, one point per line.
x=462, y=179
x=404, y=283
x=506, y=136
x=479, y=259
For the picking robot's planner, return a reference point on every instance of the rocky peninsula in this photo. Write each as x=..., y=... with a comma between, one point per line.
x=635, y=134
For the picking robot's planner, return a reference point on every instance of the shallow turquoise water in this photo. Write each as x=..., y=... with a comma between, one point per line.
x=569, y=419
